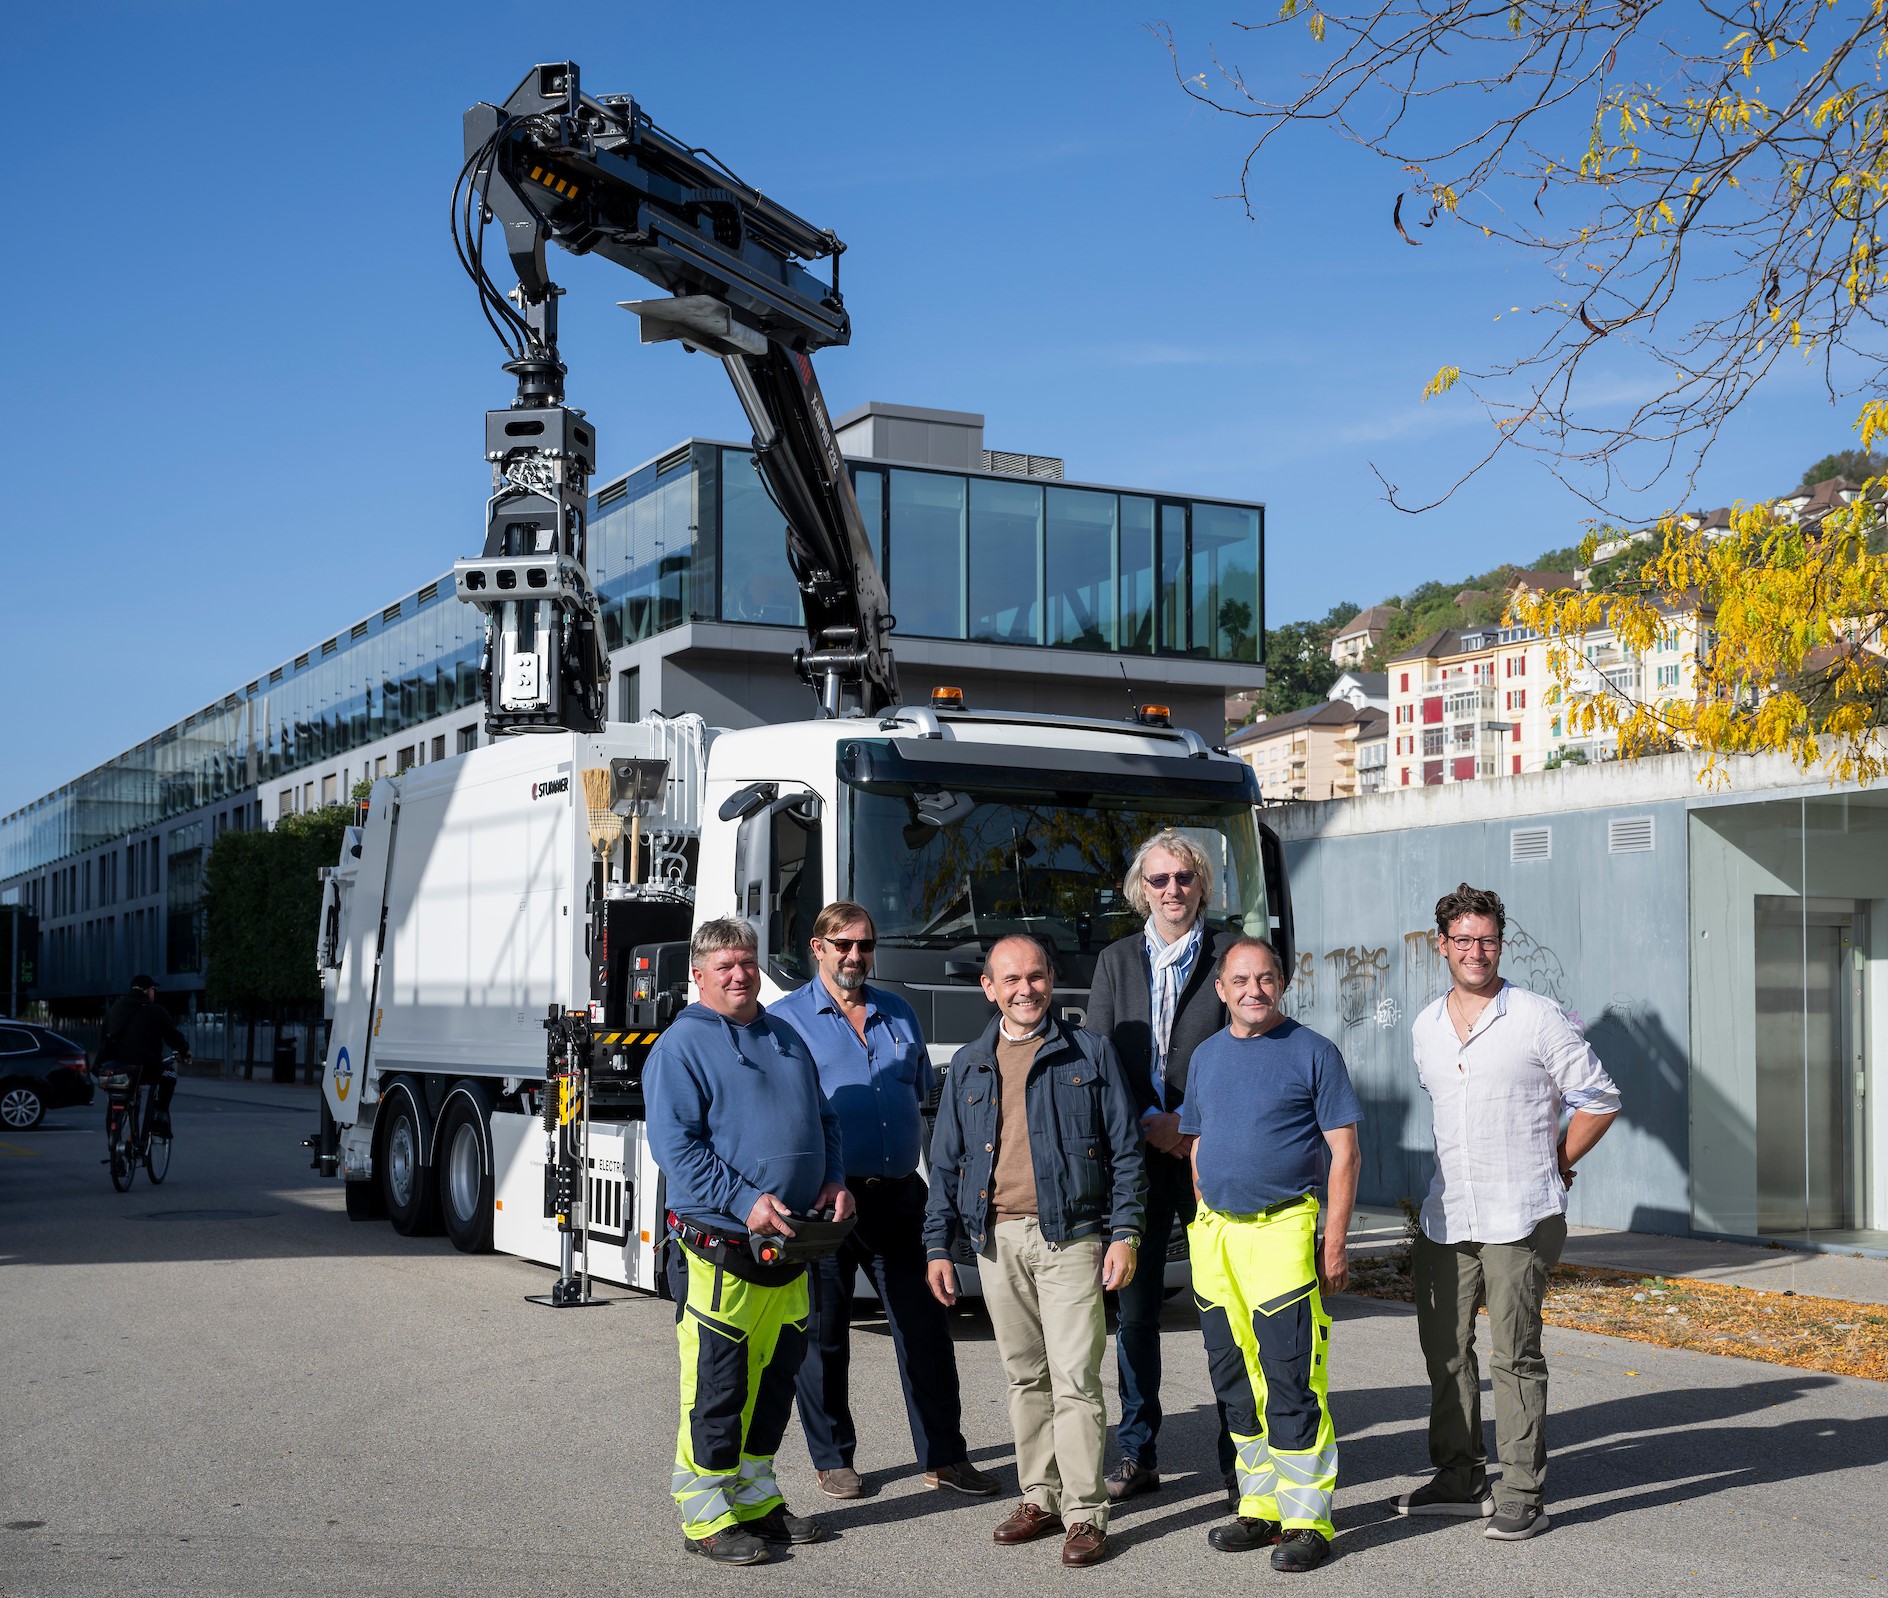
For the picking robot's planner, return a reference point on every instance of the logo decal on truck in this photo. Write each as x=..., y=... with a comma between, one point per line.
x=343, y=1076
x=541, y=790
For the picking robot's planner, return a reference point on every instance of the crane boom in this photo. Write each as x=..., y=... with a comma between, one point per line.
x=596, y=176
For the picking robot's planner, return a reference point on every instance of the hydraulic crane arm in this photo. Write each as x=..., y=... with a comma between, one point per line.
x=596, y=176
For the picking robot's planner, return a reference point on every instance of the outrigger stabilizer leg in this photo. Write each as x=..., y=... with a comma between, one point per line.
x=566, y=1156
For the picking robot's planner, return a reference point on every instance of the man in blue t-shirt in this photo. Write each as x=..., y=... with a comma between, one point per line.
x=1266, y=1100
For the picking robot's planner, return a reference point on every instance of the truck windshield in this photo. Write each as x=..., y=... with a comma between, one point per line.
x=952, y=872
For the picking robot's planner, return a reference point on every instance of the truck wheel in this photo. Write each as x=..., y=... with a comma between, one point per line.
x=462, y=1160
x=406, y=1179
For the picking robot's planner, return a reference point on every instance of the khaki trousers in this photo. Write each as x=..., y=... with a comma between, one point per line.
x=1452, y=1281
x=1045, y=1307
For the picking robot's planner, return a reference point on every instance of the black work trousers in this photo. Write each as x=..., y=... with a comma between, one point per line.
x=887, y=1245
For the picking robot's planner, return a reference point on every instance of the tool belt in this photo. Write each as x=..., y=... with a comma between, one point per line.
x=764, y=1261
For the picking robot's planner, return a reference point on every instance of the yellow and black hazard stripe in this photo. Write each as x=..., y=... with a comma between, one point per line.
x=563, y=188
x=613, y=1040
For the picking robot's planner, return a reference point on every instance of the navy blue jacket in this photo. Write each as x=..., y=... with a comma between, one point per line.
x=1084, y=1141
x=734, y=1112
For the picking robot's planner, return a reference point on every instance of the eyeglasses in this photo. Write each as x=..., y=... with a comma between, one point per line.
x=847, y=945
x=1180, y=879
x=1466, y=945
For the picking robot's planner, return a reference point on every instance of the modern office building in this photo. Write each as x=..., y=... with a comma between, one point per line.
x=1019, y=587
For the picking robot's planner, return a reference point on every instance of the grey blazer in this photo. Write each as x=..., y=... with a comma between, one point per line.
x=1121, y=1009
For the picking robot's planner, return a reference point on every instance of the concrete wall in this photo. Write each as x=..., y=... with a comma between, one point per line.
x=1604, y=935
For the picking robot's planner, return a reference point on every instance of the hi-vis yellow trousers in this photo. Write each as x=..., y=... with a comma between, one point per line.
x=741, y=1345
x=1268, y=1343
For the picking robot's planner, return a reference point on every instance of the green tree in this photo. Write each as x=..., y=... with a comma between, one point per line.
x=1858, y=465
x=262, y=909
x=1299, y=670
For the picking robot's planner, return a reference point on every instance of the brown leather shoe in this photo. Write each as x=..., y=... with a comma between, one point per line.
x=1026, y=1523
x=1085, y=1545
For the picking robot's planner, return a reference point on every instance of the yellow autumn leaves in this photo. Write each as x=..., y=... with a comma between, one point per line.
x=1788, y=623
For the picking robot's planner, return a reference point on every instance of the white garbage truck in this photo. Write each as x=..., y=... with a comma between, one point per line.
x=505, y=934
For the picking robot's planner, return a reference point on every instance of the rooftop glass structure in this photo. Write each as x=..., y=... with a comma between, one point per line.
x=692, y=536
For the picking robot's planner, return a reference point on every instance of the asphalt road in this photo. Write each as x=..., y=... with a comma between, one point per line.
x=222, y=1386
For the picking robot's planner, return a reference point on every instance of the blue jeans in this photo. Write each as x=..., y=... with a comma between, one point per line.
x=1137, y=1332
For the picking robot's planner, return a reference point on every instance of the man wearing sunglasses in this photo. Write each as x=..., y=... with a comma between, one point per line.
x=876, y=1074
x=1499, y=1064
x=1153, y=997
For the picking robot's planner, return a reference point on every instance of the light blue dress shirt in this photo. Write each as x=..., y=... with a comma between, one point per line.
x=877, y=1087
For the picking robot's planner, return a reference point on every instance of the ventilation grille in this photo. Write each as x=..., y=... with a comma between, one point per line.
x=1014, y=465
x=1531, y=843
x=358, y=630
x=427, y=594
x=392, y=612
x=1629, y=835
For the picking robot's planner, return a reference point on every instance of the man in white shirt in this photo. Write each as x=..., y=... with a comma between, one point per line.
x=1499, y=1064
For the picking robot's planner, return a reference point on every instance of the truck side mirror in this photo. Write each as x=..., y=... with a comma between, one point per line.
x=1277, y=898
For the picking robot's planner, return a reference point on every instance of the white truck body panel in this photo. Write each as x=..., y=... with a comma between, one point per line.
x=624, y=1191
x=480, y=870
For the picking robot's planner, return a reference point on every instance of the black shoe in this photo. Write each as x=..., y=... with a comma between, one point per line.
x=160, y=1125
x=735, y=1546
x=1300, y=1549
x=1430, y=1499
x=1243, y=1535
x=1128, y=1478
x=777, y=1526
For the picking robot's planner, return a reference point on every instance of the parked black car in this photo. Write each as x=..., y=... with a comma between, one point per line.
x=39, y=1071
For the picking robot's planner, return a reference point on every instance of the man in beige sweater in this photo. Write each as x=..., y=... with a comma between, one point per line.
x=1036, y=1161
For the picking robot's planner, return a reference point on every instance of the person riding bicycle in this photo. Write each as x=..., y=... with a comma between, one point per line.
x=136, y=1029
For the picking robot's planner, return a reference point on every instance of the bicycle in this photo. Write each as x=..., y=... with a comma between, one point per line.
x=129, y=1141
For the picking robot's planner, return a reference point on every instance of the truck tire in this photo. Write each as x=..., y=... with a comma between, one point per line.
x=403, y=1167
x=462, y=1158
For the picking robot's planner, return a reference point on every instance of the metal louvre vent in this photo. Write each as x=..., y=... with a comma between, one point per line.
x=1531, y=843
x=606, y=1204
x=1629, y=835
x=1014, y=465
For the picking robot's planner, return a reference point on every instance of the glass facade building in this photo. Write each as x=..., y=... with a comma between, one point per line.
x=693, y=536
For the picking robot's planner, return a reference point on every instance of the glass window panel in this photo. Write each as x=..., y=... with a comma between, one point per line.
x=1005, y=562
x=925, y=545
x=1173, y=578
x=1225, y=560
x=643, y=551
x=1137, y=575
x=756, y=582
x=1079, y=563
x=868, y=487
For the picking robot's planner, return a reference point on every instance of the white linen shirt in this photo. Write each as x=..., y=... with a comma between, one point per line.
x=1497, y=1101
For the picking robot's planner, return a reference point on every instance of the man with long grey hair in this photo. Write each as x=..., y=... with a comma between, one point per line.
x=1153, y=998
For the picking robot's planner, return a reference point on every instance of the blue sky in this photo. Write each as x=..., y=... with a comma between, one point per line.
x=247, y=379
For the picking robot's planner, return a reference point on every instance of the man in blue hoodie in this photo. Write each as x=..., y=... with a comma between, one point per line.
x=746, y=1140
